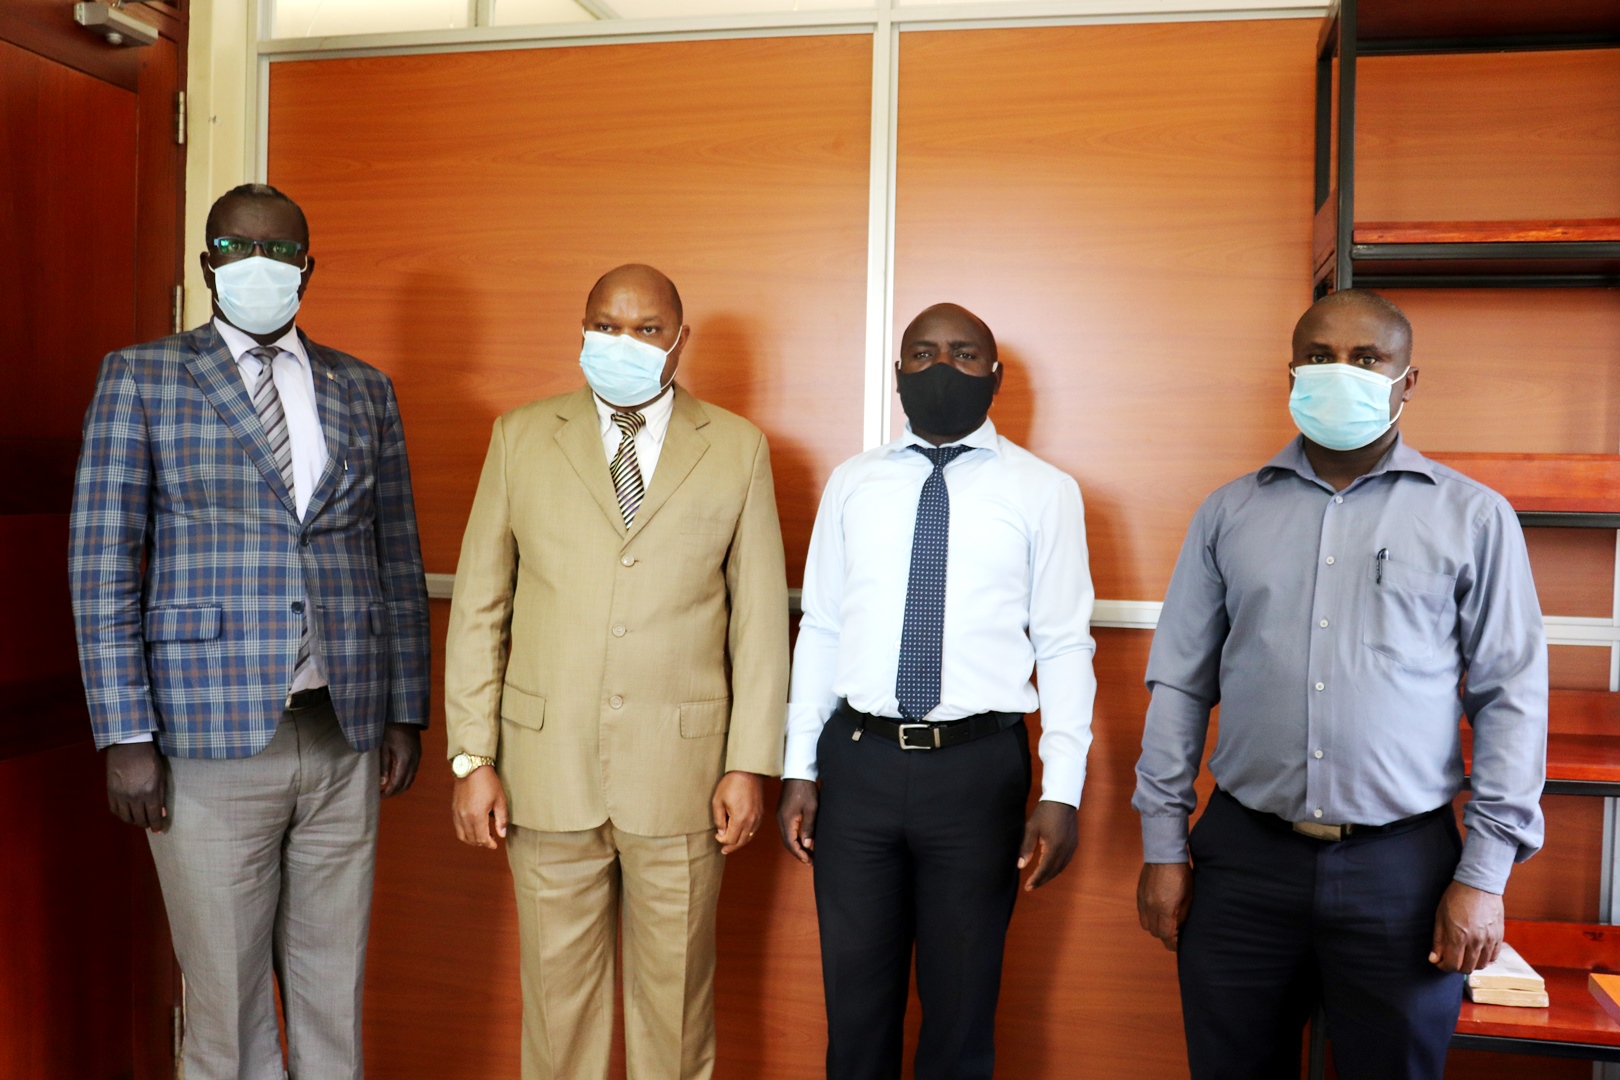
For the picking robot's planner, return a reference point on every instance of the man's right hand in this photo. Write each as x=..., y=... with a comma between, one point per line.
x=475, y=799
x=135, y=787
x=1163, y=897
x=796, y=817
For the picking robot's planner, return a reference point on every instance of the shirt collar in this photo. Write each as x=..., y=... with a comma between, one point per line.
x=982, y=437
x=657, y=414
x=239, y=344
x=1399, y=458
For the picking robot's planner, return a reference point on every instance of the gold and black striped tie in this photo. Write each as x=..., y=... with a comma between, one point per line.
x=625, y=468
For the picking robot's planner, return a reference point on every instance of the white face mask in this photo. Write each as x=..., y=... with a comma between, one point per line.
x=257, y=294
x=622, y=370
x=1340, y=406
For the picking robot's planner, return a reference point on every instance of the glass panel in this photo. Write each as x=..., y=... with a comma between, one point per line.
x=531, y=12
x=317, y=18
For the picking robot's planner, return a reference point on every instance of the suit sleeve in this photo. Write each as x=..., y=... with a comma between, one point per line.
x=756, y=580
x=399, y=564
x=480, y=635
x=112, y=492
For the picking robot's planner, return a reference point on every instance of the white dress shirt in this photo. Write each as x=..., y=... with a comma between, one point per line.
x=649, y=440
x=1018, y=599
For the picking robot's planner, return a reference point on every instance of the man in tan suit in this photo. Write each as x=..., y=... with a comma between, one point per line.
x=616, y=685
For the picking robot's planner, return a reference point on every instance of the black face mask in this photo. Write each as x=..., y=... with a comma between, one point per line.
x=941, y=400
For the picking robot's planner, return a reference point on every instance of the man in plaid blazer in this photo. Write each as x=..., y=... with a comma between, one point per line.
x=253, y=636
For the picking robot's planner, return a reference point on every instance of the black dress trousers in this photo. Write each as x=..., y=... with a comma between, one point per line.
x=1280, y=922
x=916, y=846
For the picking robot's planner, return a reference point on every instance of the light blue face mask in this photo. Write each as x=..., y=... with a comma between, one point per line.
x=1340, y=406
x=622, y=370
x=257, y=294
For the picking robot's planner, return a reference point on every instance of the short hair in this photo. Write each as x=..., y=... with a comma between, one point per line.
x=1378, y=302
x=250, y=191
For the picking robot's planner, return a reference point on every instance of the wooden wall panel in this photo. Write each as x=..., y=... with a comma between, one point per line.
x=1488, y=137
x=456, y=240
x=462, y=205
x=1129, y=209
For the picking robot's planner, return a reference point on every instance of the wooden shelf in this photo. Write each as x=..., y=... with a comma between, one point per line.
x=1547, y=488
x=1573, y=1024
x=1393, y=27
x=1584, y=757
x=1482, y=232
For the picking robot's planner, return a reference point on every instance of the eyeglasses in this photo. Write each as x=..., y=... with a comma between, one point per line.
x=240, y=247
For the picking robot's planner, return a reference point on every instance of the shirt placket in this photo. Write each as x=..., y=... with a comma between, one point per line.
x=1327, y=613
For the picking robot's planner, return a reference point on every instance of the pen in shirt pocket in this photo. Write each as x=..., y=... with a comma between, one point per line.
x=1378, y=561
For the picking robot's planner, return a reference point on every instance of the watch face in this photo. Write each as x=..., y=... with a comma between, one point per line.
x=461, y=765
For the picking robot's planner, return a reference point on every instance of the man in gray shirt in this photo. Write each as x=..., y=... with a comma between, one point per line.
x=1331, y=604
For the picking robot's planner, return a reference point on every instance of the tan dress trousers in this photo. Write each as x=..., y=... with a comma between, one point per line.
x=573, y=890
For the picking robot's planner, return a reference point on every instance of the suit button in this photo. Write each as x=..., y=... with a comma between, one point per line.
x=618, y=631
x=298, y=607
x=628, y=560
x=616, y=701
x=304, y=540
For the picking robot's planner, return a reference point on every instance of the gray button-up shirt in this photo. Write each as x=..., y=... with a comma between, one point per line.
x=1334, y=629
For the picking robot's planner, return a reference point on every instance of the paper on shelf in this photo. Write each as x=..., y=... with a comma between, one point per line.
x=1509, y=972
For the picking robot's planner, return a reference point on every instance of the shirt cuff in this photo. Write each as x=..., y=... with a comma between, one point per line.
x=1062, y=781
x=145, y=736
x=803, y=732
x=1486, y=863
x=1164, y=839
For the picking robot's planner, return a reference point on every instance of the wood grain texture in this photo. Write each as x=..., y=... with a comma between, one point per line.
x=1574, y=570
x=1482, y=137
x=1580, y=483
x=457, y=238
x=1129, y=208
x=1479, y=232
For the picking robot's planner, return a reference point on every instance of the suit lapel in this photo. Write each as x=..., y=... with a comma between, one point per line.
x=331, y=402
x=580, y=440
x=684, y=445
x=217, y=374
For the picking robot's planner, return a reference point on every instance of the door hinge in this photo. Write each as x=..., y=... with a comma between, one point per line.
x=180, y=118
x=179, y=308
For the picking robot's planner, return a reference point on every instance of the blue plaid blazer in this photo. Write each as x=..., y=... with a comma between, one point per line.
x=189, y=564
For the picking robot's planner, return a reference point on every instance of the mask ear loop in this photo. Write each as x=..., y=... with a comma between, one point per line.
x=1392, y=382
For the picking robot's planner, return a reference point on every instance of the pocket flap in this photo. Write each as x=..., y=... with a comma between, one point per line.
x=183, y=623
x=703, y=718
x=523, y=708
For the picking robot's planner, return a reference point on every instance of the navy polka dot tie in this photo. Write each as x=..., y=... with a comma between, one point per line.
x=916, y=685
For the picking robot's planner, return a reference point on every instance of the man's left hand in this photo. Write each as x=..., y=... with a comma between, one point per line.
x=1056, y=826
x=738, y=806
x=1467, y=929
x=401, y=752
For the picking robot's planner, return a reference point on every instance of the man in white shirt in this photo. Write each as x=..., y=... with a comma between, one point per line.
x=944, y=568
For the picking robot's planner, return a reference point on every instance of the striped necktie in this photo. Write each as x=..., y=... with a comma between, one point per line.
x=922, y=634
x=267, y=402
x=625, y=468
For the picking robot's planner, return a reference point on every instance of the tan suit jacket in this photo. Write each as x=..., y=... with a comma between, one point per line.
x=616, y=674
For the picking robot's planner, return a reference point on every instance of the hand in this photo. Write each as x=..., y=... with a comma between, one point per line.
x=135, y=786
x=401, y=753
x=1467, y=929
x=1056, y=825
x=796, y=817
x=739, y=803
x=1163, y=897
x=475, y=799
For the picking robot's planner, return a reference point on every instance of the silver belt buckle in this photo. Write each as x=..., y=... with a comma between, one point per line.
x=1317, y=831
x=932, y=744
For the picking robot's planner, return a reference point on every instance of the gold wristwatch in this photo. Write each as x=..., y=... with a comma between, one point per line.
x=464, y=764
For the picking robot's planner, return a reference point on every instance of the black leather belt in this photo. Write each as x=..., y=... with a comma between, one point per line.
x=909, y=735
x=1334, y=833
x=308, y=699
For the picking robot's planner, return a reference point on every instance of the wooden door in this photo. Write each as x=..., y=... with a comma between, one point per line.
x=90, y=175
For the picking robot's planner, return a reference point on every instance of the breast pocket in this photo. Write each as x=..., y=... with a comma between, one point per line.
x=1410, y=612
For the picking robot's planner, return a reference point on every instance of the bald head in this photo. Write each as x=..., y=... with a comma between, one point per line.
x=649, y=285
x=940, y=328
x=1375, y=318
